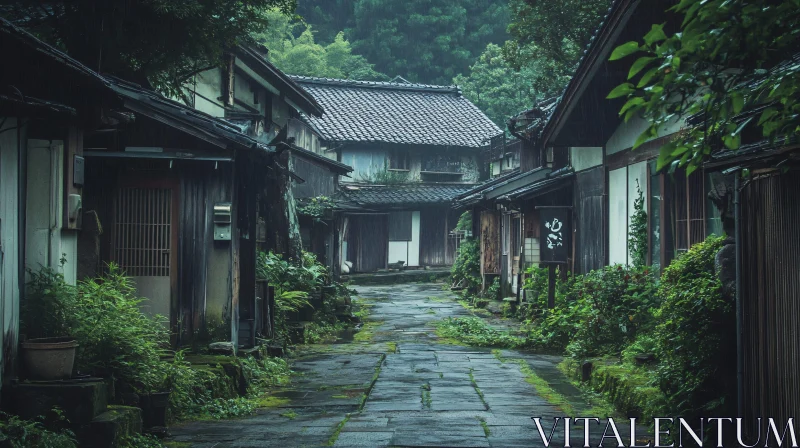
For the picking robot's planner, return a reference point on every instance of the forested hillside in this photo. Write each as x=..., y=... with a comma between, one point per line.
x=506, y=54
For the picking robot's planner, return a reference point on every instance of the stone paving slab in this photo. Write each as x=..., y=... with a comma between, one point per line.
x=424, y=396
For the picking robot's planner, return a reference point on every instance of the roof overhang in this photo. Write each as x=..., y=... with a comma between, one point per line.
x=583, y=116
x=294, y=94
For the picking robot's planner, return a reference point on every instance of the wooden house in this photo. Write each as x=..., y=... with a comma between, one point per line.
x=412, y=147
x=267, y=105
x=98, y=170
x=47, y=104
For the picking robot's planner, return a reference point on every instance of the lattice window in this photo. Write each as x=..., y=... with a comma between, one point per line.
x=142, y=231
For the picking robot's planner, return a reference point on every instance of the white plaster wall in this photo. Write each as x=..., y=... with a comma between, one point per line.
x=626, y=133
x=618, y=216
x=9, y=240
x=413, y=245
x=585, y=158
x=69, y=249
x=209, y=84
x=398, y=251
x=245, y=90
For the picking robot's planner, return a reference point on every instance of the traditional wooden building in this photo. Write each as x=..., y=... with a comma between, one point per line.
x=412, y=147
x=266, y=104
x=98, y=170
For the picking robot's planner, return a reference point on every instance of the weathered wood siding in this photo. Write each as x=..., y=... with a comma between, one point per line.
x=12, y=214
x=433, y=236
x=204, y=267
x=319, y=181
x=589, y=220
x=368, y=242
x=770, y=248
x=490, y=243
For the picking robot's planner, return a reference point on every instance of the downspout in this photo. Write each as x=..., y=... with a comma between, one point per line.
x=737, y=210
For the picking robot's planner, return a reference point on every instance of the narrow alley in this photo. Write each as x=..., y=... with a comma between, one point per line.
x=396, y=384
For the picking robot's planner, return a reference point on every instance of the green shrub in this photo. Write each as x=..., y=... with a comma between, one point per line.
x=696, y=336
x=595, y=314
x=618, y=303
x=43, y=432
x=474, y=331
x=114, y=336
x=466, y=269
x=49, y=305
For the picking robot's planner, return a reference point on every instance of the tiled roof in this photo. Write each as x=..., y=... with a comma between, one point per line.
x=396, y=112
x=393, y=195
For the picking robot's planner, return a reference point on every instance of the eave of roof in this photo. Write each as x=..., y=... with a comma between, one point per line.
x=382, y=85
x=600, y=45
x=286, y=84
x=332, y=165
x=402, y=195
x=553, y=181
x=181, y=117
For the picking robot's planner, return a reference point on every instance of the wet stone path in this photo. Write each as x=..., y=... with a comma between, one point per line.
x=395, y=384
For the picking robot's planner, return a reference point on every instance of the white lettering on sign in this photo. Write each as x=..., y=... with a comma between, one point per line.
x=554, y=238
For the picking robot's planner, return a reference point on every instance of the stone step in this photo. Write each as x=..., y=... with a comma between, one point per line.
x=80, y=401
x=111, y=428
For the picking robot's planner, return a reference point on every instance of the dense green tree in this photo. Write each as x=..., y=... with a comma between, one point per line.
x=161, y=42
x=551, y=35
x=302, y=55
x=428, y=41
x=498, y=89
x=732, y=64
x=328, y=17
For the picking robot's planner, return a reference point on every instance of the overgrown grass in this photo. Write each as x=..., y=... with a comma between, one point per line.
x=542, y=387
x=475, y=332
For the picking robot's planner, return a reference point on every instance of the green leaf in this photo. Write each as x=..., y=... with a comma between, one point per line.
x=767, y=115
x=643, y=137
x=738, y=102
x=648, y=75
x=691, y=169
x=621, y=90
x=639, y=65
x=624, y=50
x=635, y=101
x=656, y=34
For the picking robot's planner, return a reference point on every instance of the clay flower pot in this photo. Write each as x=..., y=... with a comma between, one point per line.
x=49, y=358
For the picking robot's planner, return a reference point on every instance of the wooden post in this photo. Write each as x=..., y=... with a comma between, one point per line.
x=551, y=286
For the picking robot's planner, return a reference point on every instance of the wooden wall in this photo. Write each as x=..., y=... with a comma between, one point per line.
x=204, y=267
x=589, y=220
x=490, y=242
x=770, y=248
x=433, y=229
x=368, y=242
x=319, y=181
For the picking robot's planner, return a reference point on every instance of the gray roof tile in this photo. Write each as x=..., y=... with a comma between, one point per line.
x=393, y=195
x=389, y=112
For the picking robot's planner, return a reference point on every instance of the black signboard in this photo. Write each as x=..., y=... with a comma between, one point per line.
x=554, y=234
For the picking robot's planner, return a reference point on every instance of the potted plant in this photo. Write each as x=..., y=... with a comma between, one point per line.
x=154, y=401
x=48, y=351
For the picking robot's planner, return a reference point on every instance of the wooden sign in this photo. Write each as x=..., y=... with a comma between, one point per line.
x=554, y=232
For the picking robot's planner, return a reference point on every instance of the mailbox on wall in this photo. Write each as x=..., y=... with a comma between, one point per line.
x=222, y=221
